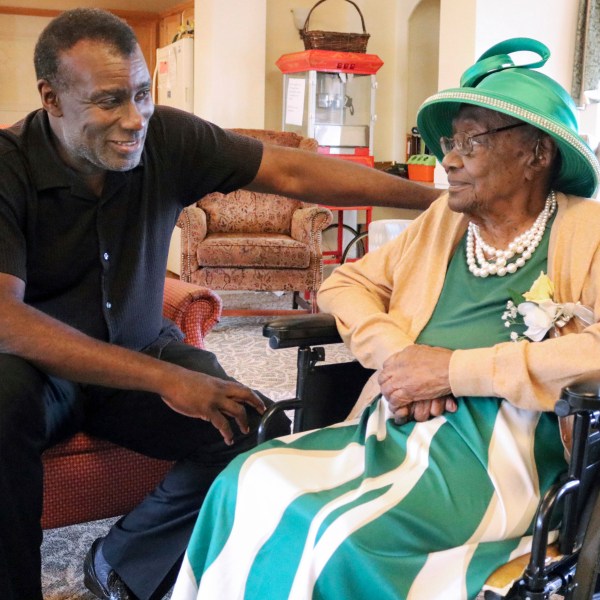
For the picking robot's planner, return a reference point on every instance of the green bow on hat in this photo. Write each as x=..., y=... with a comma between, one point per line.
x=495, y=82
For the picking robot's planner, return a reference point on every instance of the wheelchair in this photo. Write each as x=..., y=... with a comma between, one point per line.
x=573, y=572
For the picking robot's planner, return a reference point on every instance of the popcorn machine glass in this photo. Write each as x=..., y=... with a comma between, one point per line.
x=330, y=96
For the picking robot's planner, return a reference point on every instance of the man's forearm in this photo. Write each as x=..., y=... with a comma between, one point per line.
x=332, y=181
x=65, y=352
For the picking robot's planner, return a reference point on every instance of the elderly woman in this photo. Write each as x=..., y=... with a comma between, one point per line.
x=437, y=482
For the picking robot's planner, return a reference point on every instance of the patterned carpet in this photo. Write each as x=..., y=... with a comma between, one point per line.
x=244, y=353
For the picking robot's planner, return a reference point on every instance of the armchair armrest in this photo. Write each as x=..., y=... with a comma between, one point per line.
x=192, y=221
x=308, y=221
x=194, y=309
x=304, y=330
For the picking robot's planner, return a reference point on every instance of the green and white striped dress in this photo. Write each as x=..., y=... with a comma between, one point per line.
x=369, y=509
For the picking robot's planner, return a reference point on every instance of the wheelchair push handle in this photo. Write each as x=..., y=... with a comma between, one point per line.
x=579, y=396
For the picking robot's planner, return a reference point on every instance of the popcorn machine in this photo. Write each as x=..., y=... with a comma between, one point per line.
x=330, y=96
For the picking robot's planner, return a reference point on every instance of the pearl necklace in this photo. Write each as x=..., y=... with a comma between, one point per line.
x=523, y=245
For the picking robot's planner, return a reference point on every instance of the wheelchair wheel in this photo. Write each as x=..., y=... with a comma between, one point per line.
x=356, y=247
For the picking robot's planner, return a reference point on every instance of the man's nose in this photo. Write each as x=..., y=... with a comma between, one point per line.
x=134, y=118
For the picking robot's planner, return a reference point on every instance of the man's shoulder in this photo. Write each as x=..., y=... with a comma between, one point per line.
x=167, y=118
x=14, y=138
x=171, y=129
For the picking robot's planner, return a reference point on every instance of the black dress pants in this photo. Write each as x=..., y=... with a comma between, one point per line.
x=145, y=546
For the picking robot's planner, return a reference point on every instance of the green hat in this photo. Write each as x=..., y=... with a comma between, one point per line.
x=495, y=82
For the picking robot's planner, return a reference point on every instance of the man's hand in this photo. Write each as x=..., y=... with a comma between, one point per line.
x=415, y=382
x=212, y=399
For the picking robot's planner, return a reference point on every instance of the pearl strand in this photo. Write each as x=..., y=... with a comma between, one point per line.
x=524, y=245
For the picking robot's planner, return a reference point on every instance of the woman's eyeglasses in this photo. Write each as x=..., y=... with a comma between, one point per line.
x=463, y=142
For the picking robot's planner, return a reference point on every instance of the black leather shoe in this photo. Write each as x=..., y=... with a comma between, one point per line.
x=100, y=579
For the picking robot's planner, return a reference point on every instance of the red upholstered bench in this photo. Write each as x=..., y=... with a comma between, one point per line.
x=85, y=478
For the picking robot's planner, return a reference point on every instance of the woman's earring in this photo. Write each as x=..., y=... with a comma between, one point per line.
x=536, y=151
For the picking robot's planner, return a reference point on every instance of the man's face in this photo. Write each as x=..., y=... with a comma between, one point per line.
x=104, y=108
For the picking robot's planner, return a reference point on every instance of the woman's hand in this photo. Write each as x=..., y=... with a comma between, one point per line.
x=415, y=382
x=422, y=410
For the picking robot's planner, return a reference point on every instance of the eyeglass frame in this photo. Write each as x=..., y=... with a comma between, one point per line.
x=448, y=144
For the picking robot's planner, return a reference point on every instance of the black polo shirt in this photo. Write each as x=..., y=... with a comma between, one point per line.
x=99, y=264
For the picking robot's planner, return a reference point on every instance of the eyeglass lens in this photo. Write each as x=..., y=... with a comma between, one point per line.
x=463, y=143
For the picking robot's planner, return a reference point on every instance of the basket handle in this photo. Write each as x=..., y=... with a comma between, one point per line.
x=362, y=19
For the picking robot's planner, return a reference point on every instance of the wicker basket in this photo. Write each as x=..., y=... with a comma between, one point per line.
x=333, y=40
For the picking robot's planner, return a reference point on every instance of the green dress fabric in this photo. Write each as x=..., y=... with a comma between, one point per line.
x=370, y=509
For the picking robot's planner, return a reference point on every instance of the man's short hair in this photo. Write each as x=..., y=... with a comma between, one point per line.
x=72, y=26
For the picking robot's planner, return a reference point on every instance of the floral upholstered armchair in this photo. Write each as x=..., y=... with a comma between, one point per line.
x=254, y=241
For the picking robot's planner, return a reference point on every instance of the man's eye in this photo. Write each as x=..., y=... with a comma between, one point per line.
x=108, y=102
x=142, y=95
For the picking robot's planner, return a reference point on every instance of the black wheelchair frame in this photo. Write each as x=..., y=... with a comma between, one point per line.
x=574, y=575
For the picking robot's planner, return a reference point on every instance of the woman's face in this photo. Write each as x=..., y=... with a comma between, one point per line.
x=488, y=179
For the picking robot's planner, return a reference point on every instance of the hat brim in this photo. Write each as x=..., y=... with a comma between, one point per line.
x=580, y=171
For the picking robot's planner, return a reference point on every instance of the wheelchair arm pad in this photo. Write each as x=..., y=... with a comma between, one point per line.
x=579, y=396
x=306, y=330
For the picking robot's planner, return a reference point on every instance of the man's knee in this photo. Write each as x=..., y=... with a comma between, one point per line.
x=194, y=359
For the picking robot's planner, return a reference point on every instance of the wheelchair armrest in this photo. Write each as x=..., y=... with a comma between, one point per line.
x=305, y=330
x=580, y=396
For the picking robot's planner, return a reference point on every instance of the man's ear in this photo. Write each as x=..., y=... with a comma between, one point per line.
x=49, y=98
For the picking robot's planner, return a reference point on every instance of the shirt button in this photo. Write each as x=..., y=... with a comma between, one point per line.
x=108, y=305
x=106, y=256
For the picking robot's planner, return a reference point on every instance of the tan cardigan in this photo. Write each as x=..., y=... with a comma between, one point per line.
x=382, y=302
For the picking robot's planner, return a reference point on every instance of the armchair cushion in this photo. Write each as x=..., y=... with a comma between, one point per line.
x=243, y=250
x=250, y=212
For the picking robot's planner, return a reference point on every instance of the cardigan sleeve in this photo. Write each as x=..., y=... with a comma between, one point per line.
x=359, y=294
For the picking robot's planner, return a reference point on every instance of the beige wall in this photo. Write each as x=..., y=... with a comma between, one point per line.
x=18, y=94
x=469, y=27
x=229, y=62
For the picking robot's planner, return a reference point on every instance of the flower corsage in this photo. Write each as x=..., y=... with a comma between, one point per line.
x=539, y=313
